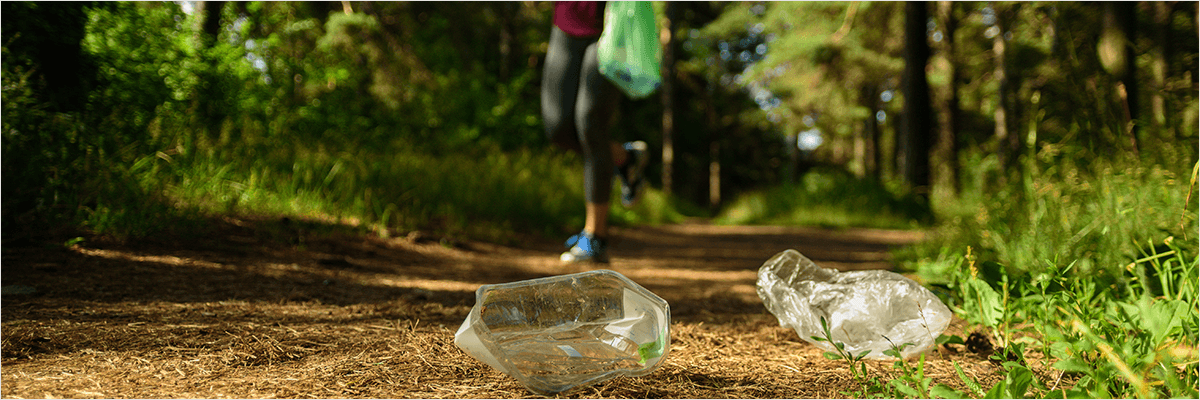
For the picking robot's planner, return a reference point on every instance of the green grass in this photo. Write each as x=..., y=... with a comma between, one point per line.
x=1092, y=265
x=1136, y=341
x=653, y=208
x=478, y=194
x=832, y=198
x=1085, y=276
x=1097, y=216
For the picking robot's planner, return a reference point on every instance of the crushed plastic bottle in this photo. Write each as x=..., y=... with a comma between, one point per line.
x=866, y=310
x=561, y=332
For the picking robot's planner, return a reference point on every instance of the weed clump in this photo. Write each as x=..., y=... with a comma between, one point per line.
x=1081, y=279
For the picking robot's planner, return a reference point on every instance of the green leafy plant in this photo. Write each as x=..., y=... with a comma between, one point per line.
x=911, y=382
x=1110, y=313
x=1130, y=343
x=858, y=369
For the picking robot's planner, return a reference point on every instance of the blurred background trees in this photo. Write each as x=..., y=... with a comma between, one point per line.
x=118, y=108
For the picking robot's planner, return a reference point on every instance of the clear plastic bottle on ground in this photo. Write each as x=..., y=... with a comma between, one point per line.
x=558, y=333
x=866, y=310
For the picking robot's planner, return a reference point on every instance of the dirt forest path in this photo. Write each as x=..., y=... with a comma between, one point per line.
x=263, y=309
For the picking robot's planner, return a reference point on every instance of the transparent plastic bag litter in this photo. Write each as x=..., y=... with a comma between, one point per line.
x=557, y=333
x=866, y=310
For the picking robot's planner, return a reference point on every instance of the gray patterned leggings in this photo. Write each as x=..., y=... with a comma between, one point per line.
x=577, y=108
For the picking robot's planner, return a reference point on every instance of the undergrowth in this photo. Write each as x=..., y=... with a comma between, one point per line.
x=832, y=198
x=478, y=194
x=1093, y=268
x=176, y=132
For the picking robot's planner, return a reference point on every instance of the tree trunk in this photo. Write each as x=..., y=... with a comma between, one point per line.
x=871, y=160
x=790, y=170
x=209, y=97
x=668, y=97
x=508, y=12
x=212, y=21
x=1158, y=70
x=1116, y=53
x=55, y=50
x=858, y=162
x=714, y=149
x=916, y=123
x=714, y=176
x=322, y=9
x=947, y=144
x=1003, y=107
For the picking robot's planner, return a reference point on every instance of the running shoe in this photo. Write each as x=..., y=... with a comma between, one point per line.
x=585, y=248
x=632, y=179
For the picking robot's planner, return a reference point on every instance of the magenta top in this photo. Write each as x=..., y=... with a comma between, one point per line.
x=579, y=18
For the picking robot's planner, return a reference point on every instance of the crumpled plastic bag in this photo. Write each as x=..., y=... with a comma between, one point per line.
x=871, y=311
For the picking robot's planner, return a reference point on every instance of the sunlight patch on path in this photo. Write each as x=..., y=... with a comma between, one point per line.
x=430, y=284
x=691, y=275
x=168, y=260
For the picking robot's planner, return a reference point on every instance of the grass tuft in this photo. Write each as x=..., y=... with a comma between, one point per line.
x=832, y=198
x=478, y=194
x=1081, y=276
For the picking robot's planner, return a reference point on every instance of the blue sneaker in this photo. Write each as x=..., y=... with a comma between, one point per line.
x=632, y=179
x=585, y=248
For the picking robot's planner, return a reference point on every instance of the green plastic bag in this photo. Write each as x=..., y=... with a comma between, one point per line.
x=628, y=50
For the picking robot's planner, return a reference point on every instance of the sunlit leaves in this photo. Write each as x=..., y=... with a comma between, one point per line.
x=816, y=56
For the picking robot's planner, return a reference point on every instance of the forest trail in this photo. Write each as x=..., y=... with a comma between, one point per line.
x=268, y=309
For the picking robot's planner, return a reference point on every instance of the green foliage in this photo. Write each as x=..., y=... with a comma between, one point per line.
x=829, y=197
x=807, y=65
x=44, y=38
x=86, y=167
x=32, y=147
x=1146, y=348
x=984, y=305
x=1118, y=345
x=1015, y=385
x=147, y=84
x=295, y=110
x=653, y=208
x=1107, y=309
x=1089, y=212
x=911, y=382
x=818, y=52
x=858, y=369
x=1106, y=343
x=716, y=109
x=482, y=194
x=125, y=119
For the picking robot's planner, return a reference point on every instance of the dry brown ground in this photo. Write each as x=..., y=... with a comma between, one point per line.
x=263, y=309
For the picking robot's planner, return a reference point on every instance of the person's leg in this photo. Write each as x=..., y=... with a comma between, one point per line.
x=594, y=105
x=561, y=85
x=594, y=110
x=630, y=170
x=577, y=107
x=560, y=88
x=596, y=219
